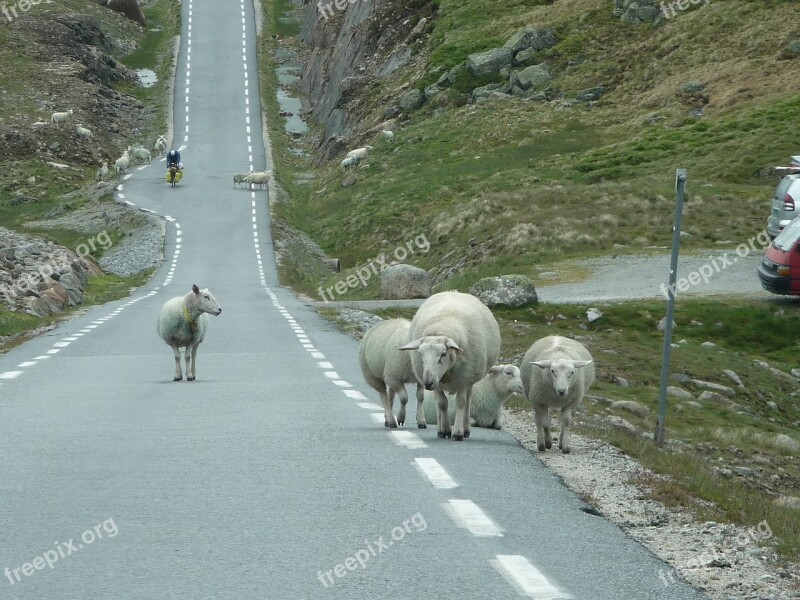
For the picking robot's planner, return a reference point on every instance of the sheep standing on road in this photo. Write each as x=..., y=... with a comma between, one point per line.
x=259, y=178
x=488, y=397
x=102, y=172
x=123, y=162
x=160, y=147
x=556, y=372
x=239, y=178
x=141, y=155
x=83, y=132
x=386, y=369
x=456, y=341
x=61, y=117
x=182, y=323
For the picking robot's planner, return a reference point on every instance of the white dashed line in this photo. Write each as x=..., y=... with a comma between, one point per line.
x=355, y=394
x=28, y=363
x=435, y=473
x=407, y=439
x=324, y=365
x=377, y=417
x=10, y=374
x=370, y=406
x=467, y=514
x=526, y=578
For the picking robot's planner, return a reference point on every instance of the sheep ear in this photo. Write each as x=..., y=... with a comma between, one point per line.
x=452, y=345
x=412, y=345
x=543, y=364
x=195, y=289
x=581, y=363
x=495, y=370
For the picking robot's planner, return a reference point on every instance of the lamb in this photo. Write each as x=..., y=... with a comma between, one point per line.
x=457, y=340
x=160, y=147
x=386, y=369
x=83, y=132
x=61, y=117
x=239, y=178
x=141, y=155
x=122, y=162
x=349, y=163
x=387, y=135
x=359, y=153
x=102, y=172
x=260, y=178
x=183, y=323
x=556, y=372
x=488, y=397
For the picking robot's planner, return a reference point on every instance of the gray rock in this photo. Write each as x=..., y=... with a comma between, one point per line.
x=744, y=471
x=400, y=282
x=483, y=64
x=693, y=404
x=795, y=373
x=621, y=423
x=600, y=400
x=349, y=181
x=593, y=314
x=431, y=91
x=412, y=100
x=535, y=38
x=484, y=91
x=791, y=50
x=680, y=378
x=783, y=376
x=523, y=56
x=505, y=290
x=531, y=77
x=733, y=377
x=631, y=406
x=621, y=381
x=714, y=387
x=662, y=324
x=787, y=502
x=772, y=405
x=715, y=398
x=786, y=442
x=454, y=73
x=679, y=392
x=708, y=345
x=591, y=94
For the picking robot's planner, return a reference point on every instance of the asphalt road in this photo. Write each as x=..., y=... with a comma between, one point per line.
x=272, y=475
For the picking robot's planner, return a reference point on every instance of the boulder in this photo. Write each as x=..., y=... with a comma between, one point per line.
x=401, y=282
x=714, y=387
x=523, y=56
x=412, y=100
x=791, y=50
x=484, y=64
x=534, y=38
x=786, y=442
x=673, y=390
x=531, y=77
x=620, y=423
x=505, y=290
x=631, y=406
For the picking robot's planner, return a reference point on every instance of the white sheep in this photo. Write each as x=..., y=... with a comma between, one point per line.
x=259, y=178
x=141, y=155
x=239, y=178
x=123, y=162
x=83, y=132
x=182, y=323
x=387, y=135
x=386, y=369
x=556, y=372
x=102, y=172
x=349, y=163
x=61, y=117
x=359, y=153
x=160, y=147
x=488, y=397
x=457, y=340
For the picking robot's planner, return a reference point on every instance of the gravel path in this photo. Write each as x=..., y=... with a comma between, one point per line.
x=141, y=249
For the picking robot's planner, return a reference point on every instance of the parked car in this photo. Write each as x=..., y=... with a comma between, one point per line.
x=785, y=200
x=779, y=270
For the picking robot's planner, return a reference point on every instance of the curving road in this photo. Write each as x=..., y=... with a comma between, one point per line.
x=272, y=475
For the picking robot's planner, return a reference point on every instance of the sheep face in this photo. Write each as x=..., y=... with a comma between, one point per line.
x=438, y=355
x=562, y=373
x=206, y=302
x=507, y=379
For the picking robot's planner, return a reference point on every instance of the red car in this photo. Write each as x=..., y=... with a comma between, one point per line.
x=779, y=271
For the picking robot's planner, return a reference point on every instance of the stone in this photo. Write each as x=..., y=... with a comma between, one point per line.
x=715, y=398
x=693, y=404
x=631, y=406
x=400, y=282
x=772, y=405
x=791, y=50
x=662, y=324
x=621, y=381
x=679, y=392
x=593, y=314
x=412, y=100
x=681, y=378
x=591, y=94
x=531, y=77
x=714, y=387
x=621, y=423
x=786, y=442
x=708, y=345
x=733, y=377
x=349, y=181
x=792, y=502
x=505, y=290
x=783, y=376
x=524, y=56
x=535, y=38
x=484, y=64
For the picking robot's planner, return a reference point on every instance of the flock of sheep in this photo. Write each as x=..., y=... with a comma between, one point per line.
x=356, y=156
x=259, y=178
x=451, y=347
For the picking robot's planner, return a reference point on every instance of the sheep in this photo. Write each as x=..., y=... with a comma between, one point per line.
x=141, y=155
x=102, y=172
x=182, y=322
x=387, y=135
x=556, y=372
x=123, y=162
x=359, y=153
x=160, y=147
x=387, y=370
x=349, y=163
x=83, y=132
x=260, y=178
x=61, y=117
x=239, y=178
x=488, y=397
x=457, y=340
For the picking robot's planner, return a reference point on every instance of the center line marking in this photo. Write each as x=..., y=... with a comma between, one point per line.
x=528, y=580
x=467, y=514
x=408, y=439
x=435, y=473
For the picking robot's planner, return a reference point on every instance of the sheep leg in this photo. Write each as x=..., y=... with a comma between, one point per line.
x=421, y=422
x=566, y=420
x=177, y=352
x=187, y=355
x=467, y=420
x=542, y=425
x=442, y=420
x=462, y=407
x=403, y=395
x=194, y=363
x=388, y=414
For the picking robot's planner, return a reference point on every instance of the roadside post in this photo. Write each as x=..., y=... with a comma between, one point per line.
x=680, y=184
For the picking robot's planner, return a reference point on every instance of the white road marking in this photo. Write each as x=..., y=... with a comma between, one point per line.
x=42, y=357
x=317, y=355
x=342, y=383
x=526, y=578
x=324, y=365
x=355, y=394
x=407, y=439
x=377, y=417
x=61, y=344
x=10, y=374
x=369, y=405
x=435, y=473
x=467, y=514
x=27, y=363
